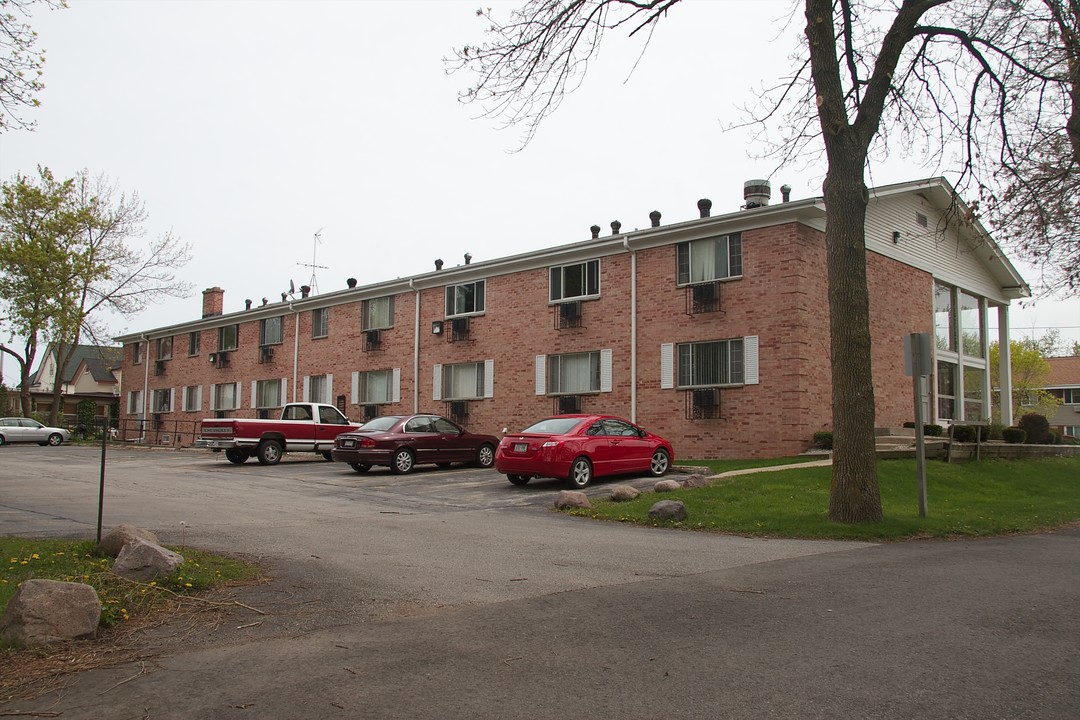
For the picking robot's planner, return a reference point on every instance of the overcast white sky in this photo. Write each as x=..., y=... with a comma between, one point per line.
x=247, y=127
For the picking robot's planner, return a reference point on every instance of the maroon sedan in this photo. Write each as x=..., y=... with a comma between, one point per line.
x=577, y=448
x=405, y=441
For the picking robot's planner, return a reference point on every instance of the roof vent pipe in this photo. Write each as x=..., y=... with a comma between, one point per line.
x=305, y=290
x=265, y=301
x=785, y=192
x=595, y=230
x=438, y=263
x=468, y=258
x=704, y=205
x=247, y=304
x=351, y=282
x=654, y=218
x=284, y=296
x=616, y=226
x=756, y=193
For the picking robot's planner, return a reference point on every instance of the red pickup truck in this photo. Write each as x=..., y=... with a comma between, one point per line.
x=303, y=427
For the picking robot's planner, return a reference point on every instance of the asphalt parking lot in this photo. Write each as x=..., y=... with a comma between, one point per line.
x=453, y=594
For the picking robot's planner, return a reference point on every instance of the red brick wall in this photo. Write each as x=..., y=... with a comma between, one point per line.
x=781, y=298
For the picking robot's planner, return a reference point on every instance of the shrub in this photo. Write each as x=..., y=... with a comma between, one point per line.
x=823, y=439
x=909, y=424
x=933, y=430
x=1036, y=426
x=963, y=433
x=1013, y=434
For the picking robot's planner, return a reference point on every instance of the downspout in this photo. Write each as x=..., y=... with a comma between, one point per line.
x=633, y=329
x=416, y=349
x=295, y=348
x=145, y=388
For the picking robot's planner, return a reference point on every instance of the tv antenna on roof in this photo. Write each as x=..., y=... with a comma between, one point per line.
x=314, y=250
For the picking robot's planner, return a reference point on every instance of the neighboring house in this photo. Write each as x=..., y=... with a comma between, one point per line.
x=713, y=332
x=89, y=375
x=1063, y=382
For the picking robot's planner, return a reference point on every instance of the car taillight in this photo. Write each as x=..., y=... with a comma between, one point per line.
x=367, y=442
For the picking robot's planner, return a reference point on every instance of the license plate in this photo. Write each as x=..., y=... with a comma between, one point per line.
x=521, y=447
x=348, y=443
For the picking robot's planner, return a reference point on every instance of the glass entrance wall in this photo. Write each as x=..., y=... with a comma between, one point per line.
x=961, y=349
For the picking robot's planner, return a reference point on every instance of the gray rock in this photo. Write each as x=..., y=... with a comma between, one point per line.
x=622, y=493
x=696, y=481
x=668, y=510
x=141, y=560
x=47, y=611
x=121, y=535
x=667, y=485
x=571, y=498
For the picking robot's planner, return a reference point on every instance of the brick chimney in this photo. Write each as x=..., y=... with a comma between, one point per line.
x=213, y=301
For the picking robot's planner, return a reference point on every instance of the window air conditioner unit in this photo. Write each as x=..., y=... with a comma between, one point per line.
x=266, y=353
x=159, y=367
x=223, y=359
x=370, y=412
x=704, y=298
x=459, y=410
x=706, y=402
x=569, y=404
x=570, y=314
x=372, y=339
x=459, y=329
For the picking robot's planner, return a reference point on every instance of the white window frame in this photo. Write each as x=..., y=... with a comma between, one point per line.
x=266, y=327
x=310, y=381
x=359, y=396
x=320, y=322
x=479, y=299
x=669, y=372
x=728, y=247
x=186, y=398
x=215, y=396
x=223, y=340
x=378, y=313
x=591, y=281
x=256, y=393
x=160, y=394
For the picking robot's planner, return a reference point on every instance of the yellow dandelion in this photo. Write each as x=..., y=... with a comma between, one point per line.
x=153, y=583
x=35, y=556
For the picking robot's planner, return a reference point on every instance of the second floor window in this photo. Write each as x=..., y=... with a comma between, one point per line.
x=379, y=313
x=228, y=337
x=193, y=343
x=707, y=364
x=574, y=373
x=709, y=259
x=136, y=353
x=164, y=348
x=575, y=281
x=320, y=322
x=465, y=299
x=270, y=331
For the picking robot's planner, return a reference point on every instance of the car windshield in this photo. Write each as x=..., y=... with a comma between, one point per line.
x=554, y=426
x=381, y=423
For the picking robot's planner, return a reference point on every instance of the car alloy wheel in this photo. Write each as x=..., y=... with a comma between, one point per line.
x=581, y=472
x=403, y=461
x=661, y=461
x=485, y=456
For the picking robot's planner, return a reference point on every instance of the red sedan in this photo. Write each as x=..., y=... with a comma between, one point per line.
x=405, y=441
x=577, y=448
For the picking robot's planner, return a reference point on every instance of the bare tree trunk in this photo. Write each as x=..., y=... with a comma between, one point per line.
x=855, y=497
x=64, y=353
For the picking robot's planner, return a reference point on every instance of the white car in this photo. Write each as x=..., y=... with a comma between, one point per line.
x=14, y=429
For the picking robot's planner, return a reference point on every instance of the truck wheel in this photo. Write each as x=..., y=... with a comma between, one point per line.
x=236, y=456
x=403, y=462
x=270, y=452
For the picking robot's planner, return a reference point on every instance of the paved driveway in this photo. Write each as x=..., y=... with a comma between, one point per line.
x=452, y=594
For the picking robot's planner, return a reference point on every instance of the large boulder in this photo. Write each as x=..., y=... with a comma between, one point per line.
x=141, y=560
x=667, y=486
x=121, y=535
x=622, y=493
x=696, y=481
x=673, y=510
x=571, y=498
x=47, y=611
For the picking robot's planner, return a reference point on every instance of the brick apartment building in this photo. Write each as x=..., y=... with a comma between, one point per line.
x=712, y=332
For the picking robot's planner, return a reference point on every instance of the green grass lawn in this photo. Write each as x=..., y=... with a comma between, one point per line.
x=121, y=600
x=991, y=497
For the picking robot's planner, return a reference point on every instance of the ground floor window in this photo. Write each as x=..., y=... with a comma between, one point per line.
x=135, y=402
x=318, y=389
x=268, y=394
x=574, y=373
x=705, y=364
x=192, y=398
x=162, y=400
x=375, y=387
x=974, y=393
x=946, y=390
x=226, y=397
x=463, y=381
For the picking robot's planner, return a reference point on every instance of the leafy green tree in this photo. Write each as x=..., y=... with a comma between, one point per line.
x=1029, y=369
x=933, y=74
x=36, y=228
x=69, y=250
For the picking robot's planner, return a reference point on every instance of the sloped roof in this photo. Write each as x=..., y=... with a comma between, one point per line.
x=1064, y=372
x=99, y=359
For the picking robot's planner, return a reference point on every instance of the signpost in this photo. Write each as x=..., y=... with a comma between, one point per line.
x=917, y=365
